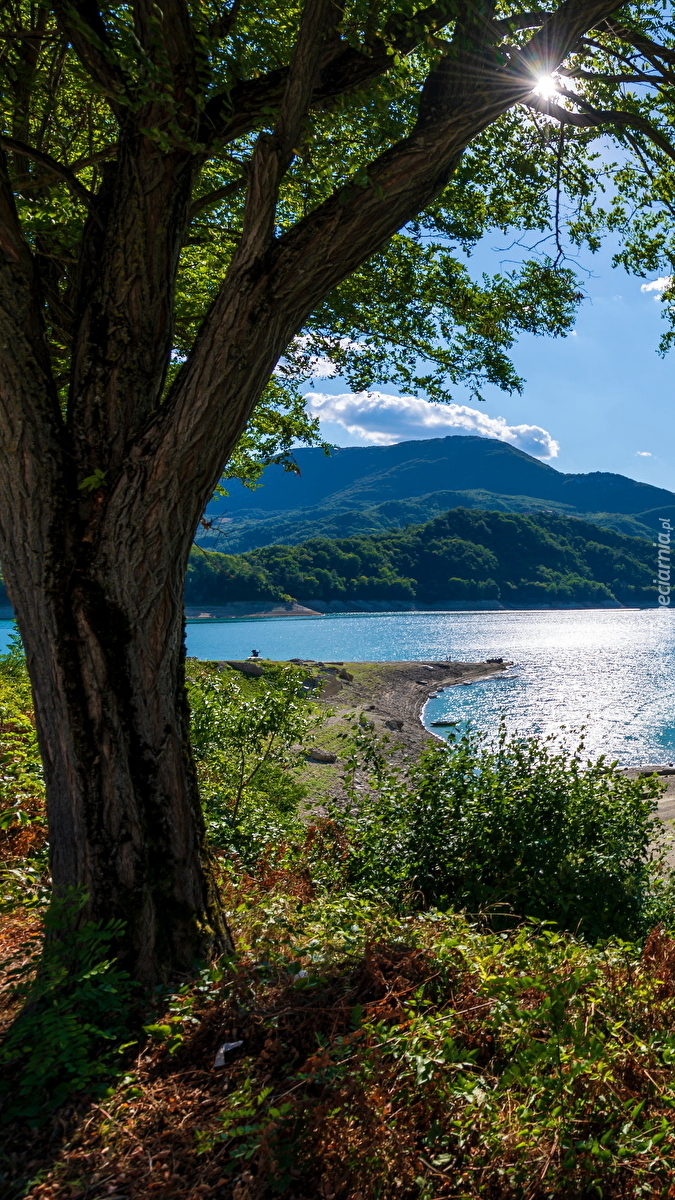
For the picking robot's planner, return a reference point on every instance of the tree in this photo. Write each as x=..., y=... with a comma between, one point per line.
x=306, y=137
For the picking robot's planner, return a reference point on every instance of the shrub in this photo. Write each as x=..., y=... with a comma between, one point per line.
x=22, y=801
x=419, y=1057
x=519, y=826
x=247, y=739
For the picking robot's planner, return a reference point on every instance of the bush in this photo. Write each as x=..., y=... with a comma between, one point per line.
x=22, y=796
x=411, y=1058
x=520, y=826
x=247, y=736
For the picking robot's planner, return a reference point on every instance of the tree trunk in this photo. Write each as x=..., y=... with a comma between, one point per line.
x=106, y=661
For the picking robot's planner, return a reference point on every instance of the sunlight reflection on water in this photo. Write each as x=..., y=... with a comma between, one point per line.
x=611, y=669
x=613, y=672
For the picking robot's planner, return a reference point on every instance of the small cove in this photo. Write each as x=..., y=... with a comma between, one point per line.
x=612, y=670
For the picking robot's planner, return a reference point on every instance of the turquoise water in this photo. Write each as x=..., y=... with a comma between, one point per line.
x=613, y=670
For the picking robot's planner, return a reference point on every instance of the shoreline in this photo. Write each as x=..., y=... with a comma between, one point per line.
x=393, y=695
x=241, y=610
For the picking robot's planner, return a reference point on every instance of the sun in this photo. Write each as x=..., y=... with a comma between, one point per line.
x=546, y=86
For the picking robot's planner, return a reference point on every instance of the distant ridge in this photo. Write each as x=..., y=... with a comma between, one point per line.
x=374, y=488
x=357, y=476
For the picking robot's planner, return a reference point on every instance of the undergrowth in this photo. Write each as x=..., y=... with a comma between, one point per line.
x=22, y=816
x=510, y=825
x=373, y=1055
x=457, y=982
x=74, y=1013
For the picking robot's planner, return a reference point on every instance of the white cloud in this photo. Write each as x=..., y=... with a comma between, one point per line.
x=657, y=285
x=644, y=453
x=384, y=420
x=317, y=366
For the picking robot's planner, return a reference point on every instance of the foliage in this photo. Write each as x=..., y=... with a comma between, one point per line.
x=429, y=1057
x=195, y=199
x=517, y=825
x=393, y=1057
x=247, y=737
x=464, y=554
x=452, y=1062
x=227, y=578
x=386, y=1050
x=22, y=806
x=410, y=314
x=76, y=1005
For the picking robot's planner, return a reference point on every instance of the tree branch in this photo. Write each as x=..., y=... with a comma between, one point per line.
x=265, y=298
x=592, y=117
x=167, y=36
x=90, y=160
x=273, y=153
x=221, y=193
x=230, y=115
x=643, y=45
x=598, y=78
x=468, y=55
x=593, y=44
x=646, y=167
x=25, y=368
x=223, y=24
x=84, y=27
x=273, y=284
x=519, y=21
x=55, y=168
x=558, y=36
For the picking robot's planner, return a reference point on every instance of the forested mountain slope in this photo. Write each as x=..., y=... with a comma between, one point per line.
x=242, y=533
x=465, y=554
x=358, y=476
x=369, y=490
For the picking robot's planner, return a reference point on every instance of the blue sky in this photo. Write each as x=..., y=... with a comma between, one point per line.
x=603, y=394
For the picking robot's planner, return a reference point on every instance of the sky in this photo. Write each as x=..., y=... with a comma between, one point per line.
x=599, y=400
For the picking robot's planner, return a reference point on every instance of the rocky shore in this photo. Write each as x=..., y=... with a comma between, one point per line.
x=391, y=696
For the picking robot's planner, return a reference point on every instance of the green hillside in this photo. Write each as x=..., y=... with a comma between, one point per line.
x=238, y=534
x=465, y=554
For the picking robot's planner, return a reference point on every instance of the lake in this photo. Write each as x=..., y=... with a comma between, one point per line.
x=611, y=669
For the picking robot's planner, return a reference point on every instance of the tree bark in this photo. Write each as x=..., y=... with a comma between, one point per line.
x=106, y=660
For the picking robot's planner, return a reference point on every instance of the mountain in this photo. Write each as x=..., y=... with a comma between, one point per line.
x=359, y=476
x=374, y=488
x=497, y=558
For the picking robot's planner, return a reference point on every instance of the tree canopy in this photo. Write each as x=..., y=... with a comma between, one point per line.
x=410, y=314
x=462, y=555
